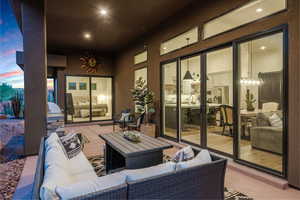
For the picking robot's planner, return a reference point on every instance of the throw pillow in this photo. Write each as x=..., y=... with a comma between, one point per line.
x=125, y=117
x=202, y=158
x=138, y=174
x=275, y=120
x=91, y=186
x=184, y=154
x=70, y=145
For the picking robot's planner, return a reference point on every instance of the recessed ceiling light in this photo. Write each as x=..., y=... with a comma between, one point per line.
x=103, y=12
x=87, y=35
x=258, y=10
x=164, y=48
x=263, y=48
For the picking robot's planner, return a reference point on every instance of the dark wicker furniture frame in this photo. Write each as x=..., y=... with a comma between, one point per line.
x=200, y=182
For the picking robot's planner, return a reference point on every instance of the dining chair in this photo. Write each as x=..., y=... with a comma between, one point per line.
x=226, y=113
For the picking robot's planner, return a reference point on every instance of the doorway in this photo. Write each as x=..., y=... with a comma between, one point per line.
x=88, y=98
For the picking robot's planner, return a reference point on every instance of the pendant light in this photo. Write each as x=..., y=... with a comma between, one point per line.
x=188, y=75
x=250, y=80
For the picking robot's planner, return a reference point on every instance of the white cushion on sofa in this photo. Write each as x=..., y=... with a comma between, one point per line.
x=275, y=120
x=60, y=171
x=202, y=157
x=80, y=168
x=137, y=174
x=94, y=185
x=54, y=176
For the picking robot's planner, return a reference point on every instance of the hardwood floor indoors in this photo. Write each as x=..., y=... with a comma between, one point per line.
x=224, y=143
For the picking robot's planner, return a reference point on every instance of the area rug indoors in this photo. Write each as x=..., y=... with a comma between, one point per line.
x=99, y=166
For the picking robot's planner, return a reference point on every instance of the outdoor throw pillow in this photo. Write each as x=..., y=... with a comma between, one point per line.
x=202, y=157
x=70, y=145
x=275, y=120
x=125, y=117
x=184, y=154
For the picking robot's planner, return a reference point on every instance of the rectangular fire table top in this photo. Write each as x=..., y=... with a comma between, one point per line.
x=128, y=148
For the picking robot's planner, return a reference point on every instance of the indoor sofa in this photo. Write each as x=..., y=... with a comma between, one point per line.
x=205, y=181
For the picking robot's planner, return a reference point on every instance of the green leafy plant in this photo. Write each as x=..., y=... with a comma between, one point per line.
x=143, y=97
x=250, y=101
x=16, y=103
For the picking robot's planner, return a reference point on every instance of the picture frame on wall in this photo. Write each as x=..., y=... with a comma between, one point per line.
x=72, y=86
x=82, y=86
x=94, y=86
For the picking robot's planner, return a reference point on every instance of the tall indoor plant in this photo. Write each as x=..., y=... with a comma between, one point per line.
x=143, y=98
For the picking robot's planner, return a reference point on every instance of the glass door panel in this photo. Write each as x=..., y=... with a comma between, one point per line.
x=190, y=100
x=101, y=90
x=77, y=99
x=219, y=100
x=261, y=103
x=169, y=96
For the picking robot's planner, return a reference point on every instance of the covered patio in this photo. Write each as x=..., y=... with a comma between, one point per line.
x=173, y=74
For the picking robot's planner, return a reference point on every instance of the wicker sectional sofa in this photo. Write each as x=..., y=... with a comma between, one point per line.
x=200, y=182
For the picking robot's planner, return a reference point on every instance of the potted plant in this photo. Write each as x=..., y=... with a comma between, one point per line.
x=250, y=100
x=143, y=98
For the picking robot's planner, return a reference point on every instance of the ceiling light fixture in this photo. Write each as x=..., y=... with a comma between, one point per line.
x=164, y=48
x=263, y=48
x=87, y=36
x=103, y=12
x=258, y=10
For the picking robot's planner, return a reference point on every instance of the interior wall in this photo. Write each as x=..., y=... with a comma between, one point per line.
x=196, y=16
x=105, y=68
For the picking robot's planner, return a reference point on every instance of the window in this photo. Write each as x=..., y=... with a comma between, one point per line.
x=248, y=13
x=141, y=57
x=182, y=40
x=140, y=73
x=91, y=101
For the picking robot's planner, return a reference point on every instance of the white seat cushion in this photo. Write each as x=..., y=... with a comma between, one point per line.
x=94, y=185
x=81, y=169
x=137, y=174
x=202, y=158
x=60, y=171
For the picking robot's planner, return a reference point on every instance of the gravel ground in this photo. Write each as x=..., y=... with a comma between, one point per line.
x=10, y=173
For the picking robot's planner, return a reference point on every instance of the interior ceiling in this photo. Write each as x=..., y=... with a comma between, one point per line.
x=126, y=21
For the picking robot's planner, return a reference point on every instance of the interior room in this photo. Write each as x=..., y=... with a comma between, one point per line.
x=88, y=98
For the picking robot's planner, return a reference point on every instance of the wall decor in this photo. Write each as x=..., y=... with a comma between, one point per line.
x=82, y=86
x=89, y=63
x=72, y=86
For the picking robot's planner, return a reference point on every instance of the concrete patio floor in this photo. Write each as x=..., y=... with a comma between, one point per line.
x=234, y=180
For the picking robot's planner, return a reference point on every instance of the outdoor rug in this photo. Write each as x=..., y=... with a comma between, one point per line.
x=99, y=166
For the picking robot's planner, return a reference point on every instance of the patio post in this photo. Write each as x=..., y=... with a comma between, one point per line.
x=35, y=73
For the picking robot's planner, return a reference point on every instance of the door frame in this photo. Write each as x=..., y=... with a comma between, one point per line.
x=234, y=44
x=90, y=96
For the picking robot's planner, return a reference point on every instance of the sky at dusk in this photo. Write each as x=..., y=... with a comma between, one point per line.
x=10, y=42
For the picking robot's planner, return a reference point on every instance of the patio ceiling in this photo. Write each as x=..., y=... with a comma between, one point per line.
x=125, y=22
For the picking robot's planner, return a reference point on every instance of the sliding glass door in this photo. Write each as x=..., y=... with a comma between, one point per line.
x=231, y=100
x=261, y=101
x=190, y=100
x=219, y=100
x=169, y=99
x=88, y=98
